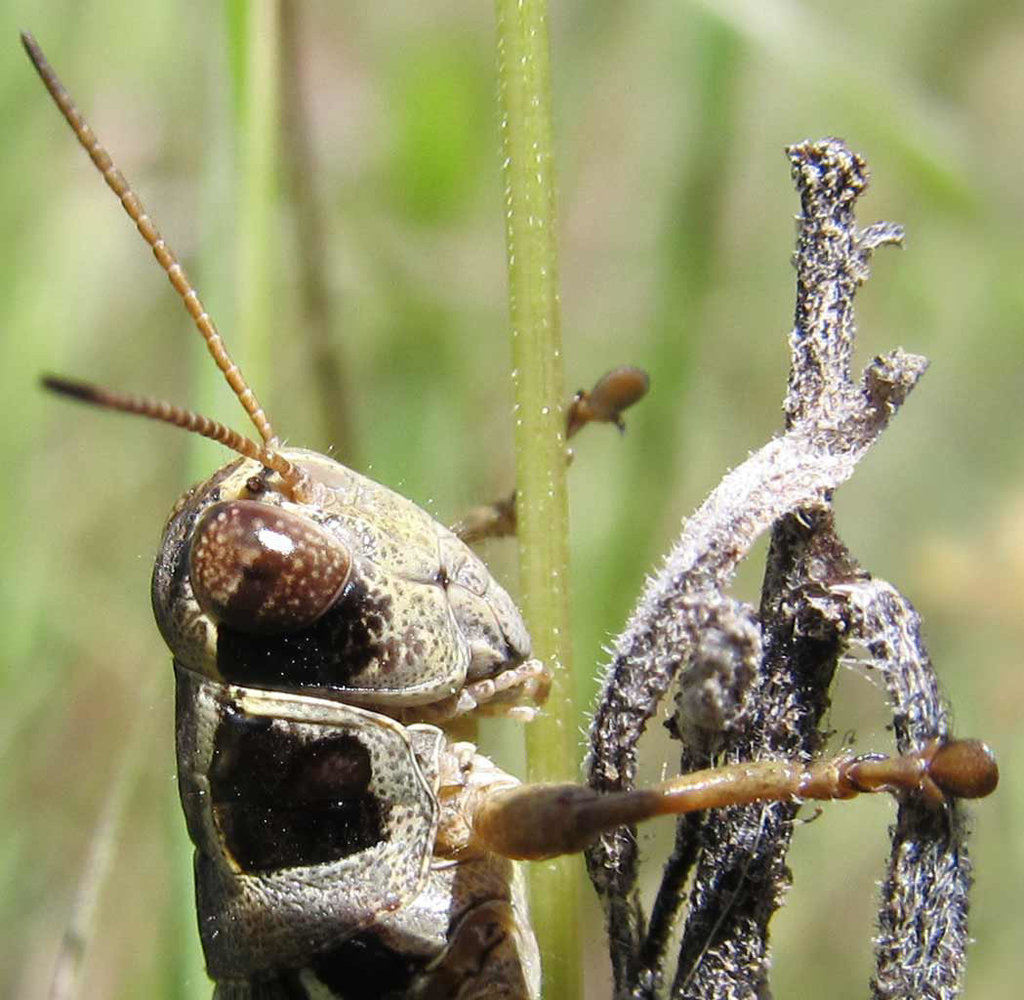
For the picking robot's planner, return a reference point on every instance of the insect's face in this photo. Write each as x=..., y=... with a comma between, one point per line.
x=354, y=593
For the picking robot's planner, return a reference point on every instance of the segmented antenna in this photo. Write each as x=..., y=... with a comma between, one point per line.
x=293, y=477
x=163, y=253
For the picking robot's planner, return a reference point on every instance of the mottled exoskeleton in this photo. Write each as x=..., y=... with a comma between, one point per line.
x=323, y=851
x=324, y=630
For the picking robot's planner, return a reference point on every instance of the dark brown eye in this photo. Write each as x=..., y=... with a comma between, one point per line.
x=260, y=569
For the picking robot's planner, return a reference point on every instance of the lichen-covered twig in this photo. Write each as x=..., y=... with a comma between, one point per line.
x=756, y=684
x=923, y=915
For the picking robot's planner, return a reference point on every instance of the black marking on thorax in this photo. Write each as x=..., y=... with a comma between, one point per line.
x=360, y=968
x=284, y=800
x=330, y=653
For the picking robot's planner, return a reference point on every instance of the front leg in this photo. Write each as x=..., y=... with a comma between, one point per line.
x=605, y=403
x=517, y=693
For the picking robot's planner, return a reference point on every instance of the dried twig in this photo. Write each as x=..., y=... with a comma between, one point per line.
x=754, y=685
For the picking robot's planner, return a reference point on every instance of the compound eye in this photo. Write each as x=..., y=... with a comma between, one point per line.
x=259, y=569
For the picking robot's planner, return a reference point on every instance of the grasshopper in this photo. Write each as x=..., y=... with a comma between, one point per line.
x=325, y=631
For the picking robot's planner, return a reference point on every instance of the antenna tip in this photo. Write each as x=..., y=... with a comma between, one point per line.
x=69, y=387
x=35, y=53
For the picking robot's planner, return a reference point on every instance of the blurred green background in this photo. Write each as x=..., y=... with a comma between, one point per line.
x=676, y=224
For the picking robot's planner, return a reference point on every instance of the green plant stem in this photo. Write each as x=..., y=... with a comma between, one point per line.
x=538, y=381
x=240, y=194
x=254, y=47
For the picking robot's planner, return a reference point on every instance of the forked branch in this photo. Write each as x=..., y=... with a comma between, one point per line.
x=753, y=685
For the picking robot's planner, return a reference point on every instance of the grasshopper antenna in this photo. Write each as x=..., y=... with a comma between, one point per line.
x=293, y=477
x=175, y=272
